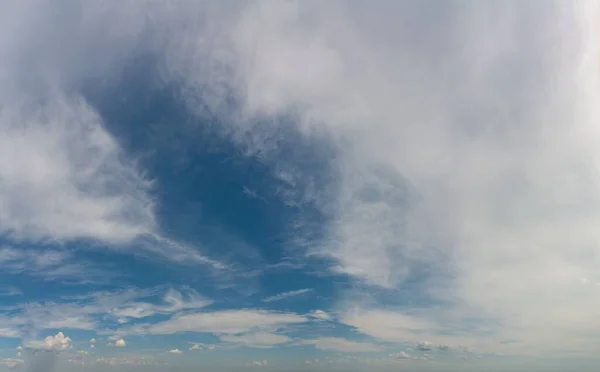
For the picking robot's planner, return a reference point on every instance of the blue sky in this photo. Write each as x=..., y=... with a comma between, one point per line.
x=299, y=185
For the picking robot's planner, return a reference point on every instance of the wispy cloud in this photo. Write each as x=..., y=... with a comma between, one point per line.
x=219, y=322
x=52, y=264
x=343, y=345
x=286, y=295
x=97, y=310
x=9, y=290
x=261, y=340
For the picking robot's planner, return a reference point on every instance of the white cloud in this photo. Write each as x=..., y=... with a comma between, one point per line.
x=424, y=345
x=459, y=166
x=401, y=355
x=86, y=312
x=259, y=363
x=175, y=351
x=119, y=342
x=131, y=360
x=10, y=291
x=256, y=340
x=482, y=167
x=92, y=346
x=83, y=352
x=320, y=314
x=92, y=341
x=343, y=345
x=10, y=362
x=49, y=264
x=9, y=332
x=219, y=322
x=19, y=348
x=285, y=295
x=66, y=178
x=56, y=343
x=195, y=347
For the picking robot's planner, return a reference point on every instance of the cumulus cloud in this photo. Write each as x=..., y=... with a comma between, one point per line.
x=118, y=342
x=424, y=346
x=175, y=351
x=401, y=355
x=195, y=347
x=285, y=295
x=56, y=343
x=343, y=345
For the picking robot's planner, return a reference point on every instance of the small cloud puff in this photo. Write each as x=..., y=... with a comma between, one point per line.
x=175, y=351
x=424, y=346
x=118, y=343
x=258, y=363
x=56, y=343
x=196, y=347
x=320, y=315
x=92, y=340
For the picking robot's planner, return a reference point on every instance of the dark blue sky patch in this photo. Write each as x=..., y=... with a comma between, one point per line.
x=214, y=190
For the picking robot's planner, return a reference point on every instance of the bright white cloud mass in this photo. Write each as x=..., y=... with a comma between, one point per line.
x=265, y=185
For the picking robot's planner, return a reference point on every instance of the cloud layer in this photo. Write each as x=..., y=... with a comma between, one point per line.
x=465, y=167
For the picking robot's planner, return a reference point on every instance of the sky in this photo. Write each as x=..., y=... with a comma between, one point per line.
x=299, y=185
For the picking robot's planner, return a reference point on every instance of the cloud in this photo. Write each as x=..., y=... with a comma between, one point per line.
x=286, y=295
x=56, y=343
x=131, y=360
x=459, y=176
x=343, y=345
x=401, y=355
x=219, y=322
x=260, y=340
x=65, y=176
x=67, y=179
x=119, y=342
x=10, y=291
x=175, y=351
x=9, y=332
x=424, y=346
x=50, y=264
x=320, y=314
x=11, y=363
x=195, y=347
x=88, y=311
x=92, y=341
x=463, y=174
x=259, y=363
